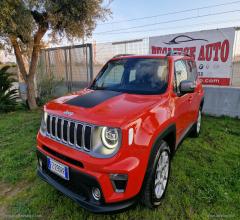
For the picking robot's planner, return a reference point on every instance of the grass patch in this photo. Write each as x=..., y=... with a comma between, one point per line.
x=204, y=182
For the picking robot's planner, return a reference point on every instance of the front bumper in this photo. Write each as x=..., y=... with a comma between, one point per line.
x=79, y=188
x=131, y=161
x=95, y=208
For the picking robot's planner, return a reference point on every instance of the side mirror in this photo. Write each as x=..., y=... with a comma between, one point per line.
x=187, y=86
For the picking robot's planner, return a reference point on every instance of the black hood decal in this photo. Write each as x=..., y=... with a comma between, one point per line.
x=93, y=98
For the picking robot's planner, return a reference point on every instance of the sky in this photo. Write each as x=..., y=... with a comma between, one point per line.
x=166, y=18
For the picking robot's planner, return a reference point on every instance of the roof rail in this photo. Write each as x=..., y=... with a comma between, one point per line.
x=177, y=53
x=122, y=55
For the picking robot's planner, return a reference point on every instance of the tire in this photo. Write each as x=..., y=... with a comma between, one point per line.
x=151, y=195
x=196, y=129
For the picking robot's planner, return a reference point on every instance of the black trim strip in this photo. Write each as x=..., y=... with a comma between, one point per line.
x=67, y=159
x=185, y=134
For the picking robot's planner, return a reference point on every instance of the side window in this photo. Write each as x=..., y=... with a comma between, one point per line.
x=180, y=73
x=132, y=75
x=192, y=70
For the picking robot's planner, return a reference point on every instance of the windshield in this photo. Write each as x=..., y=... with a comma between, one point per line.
x=134, y=75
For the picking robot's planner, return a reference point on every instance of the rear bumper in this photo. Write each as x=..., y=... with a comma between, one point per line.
x=79, y=188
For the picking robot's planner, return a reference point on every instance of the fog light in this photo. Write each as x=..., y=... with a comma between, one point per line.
x=96, y=193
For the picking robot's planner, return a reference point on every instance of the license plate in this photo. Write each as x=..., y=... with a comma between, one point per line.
x=58, y=168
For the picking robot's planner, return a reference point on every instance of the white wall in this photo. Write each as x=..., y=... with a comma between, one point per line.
x=221, y=101
x=102, y=52
x=236, y=60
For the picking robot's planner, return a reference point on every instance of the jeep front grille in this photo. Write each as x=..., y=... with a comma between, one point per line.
x=71, y=133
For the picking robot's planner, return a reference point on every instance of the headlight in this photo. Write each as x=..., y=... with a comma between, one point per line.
x=106, y=141
x=110, y=137
x=43, y=128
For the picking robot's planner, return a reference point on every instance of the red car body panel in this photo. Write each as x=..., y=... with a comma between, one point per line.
x=148, y=115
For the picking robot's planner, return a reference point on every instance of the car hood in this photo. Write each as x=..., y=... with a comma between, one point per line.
x=102, y=107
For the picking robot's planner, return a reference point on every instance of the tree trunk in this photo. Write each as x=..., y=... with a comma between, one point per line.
x=33, y=67
x=29, y=77
x=31, y=92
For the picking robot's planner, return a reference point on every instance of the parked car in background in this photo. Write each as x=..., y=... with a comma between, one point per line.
x=110, y=144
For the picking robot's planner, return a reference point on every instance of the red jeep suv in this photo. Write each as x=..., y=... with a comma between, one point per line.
x=110, y=144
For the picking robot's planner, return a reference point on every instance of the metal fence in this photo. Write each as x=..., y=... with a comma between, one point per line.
x=70, y=68
x=73, y=68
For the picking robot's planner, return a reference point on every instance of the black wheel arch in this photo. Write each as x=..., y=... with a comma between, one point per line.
x=169, y=136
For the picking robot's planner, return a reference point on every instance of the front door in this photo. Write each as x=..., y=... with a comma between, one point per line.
x=183, y=103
